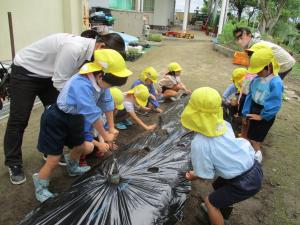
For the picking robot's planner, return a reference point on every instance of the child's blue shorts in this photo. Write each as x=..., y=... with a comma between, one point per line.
x=58, y=129
x=242, y=187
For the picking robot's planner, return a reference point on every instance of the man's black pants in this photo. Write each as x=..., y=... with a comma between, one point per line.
x=23, y=91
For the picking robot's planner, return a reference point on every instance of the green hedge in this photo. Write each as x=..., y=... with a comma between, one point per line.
x=155, y=37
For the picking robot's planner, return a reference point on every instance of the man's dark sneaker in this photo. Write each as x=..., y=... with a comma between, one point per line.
x=61, y=162
x=16, y=174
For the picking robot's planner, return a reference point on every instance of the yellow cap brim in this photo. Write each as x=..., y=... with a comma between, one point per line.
x=255, y=70
x=90, y=68
x=131, y=91
x=123, y=73
x=141, y=102
x=120, y=107
x=249, y=50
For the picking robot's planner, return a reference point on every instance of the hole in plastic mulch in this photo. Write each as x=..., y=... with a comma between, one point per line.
x=153, y=169
x=181, y=145
x=147, y=149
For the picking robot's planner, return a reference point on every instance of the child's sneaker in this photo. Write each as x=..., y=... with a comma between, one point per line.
x=121, y=126
x=128, y=122
x=41, y=188
x=258, y=156
x=73, y=167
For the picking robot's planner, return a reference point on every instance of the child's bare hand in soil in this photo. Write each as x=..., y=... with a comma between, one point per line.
x=151, y=127
x=102, y=147
x=254, y=117
x=244, y=121
x=114, y=131
x=152, y=97
x=191, y=175
x=113, y=146
x=236, y=115
x=147, y=109
x=159, y=110
x=188, y=91
x=109, y=137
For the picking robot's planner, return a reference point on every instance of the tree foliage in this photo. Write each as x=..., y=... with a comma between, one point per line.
x=240, y=5
x=273, y=10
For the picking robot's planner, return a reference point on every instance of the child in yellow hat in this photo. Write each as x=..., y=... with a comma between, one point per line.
x=137, y=96
x=265, y=96
x=216, y=152
x=119, y=112
x=148, y=77
x=170, y=86
x=118, y=98
x=79, y=108
x=231, y=95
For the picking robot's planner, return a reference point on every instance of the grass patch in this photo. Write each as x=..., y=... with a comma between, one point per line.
x=296, y=70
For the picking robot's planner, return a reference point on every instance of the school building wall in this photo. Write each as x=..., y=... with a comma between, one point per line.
x=129, y=22
x=163, y=12
x=35, y=19
x=179, y=16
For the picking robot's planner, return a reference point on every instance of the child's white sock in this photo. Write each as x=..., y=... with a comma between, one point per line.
x=258, y=156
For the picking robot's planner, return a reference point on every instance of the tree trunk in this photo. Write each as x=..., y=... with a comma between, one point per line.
x=239, y=12
x=215, y=12
x=262, y=26
x=250, y=15
x=268, y=22
x=209, y=16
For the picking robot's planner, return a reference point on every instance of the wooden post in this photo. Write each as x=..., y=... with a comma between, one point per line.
x=11, y=34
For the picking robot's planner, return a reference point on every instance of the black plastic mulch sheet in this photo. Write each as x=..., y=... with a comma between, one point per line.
x=152, y=190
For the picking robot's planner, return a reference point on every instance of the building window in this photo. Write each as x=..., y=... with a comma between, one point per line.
x=122, y=4
x=148, y=5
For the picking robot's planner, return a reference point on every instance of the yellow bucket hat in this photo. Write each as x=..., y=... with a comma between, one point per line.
x=174, y=66
x=141, y=94
x=118, y=97
x=149, y=73
x=238, y=75
x=90, y=68
x=111, y=62
x=203, y=113
x=261, y=57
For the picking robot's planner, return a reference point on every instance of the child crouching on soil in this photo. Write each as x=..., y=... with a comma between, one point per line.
x=264, y=98
x=215, y=151
x=231, y=96
x=148, y=77
x=170, y=86
x=120, y=114
x=135, y=97
x=64, y=123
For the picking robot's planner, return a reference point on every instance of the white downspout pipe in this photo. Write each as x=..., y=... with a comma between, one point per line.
x=186, y=14
x=222, y=16
x=142, y=5
x=138, y=5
